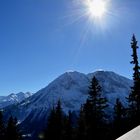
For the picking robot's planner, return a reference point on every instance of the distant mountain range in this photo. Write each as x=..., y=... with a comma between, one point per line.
x=72, y=89
x=13, y=98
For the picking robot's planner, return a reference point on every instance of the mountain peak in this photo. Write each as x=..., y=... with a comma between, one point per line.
x=13, y=98
x=72, y=89
x=71, y=73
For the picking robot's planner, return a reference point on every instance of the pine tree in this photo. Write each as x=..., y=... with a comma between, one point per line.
x=136, y=74
x=98, y=102
x=12, y=132
x=94, y=110
x=134, y=97
x=2, y=127
x=55, y=124
x=59, y=121
x=119, y=124
x=68, y=128
x=81, y=128
x=49, y=131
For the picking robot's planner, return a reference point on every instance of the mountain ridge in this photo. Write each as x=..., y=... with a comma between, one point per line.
x=13, y=98
x=72, y=89
x=71, y=86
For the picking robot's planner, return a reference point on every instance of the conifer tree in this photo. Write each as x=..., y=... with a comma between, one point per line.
x=2, y=127
x=89, y=120
x=68, y=128
x=55, y=124
x=59, y=121
x=134, y=97
x=81, y=128
x=12, y=132
x=94, y=110
x=49, y=132
x=119, y=124
x=98, y=102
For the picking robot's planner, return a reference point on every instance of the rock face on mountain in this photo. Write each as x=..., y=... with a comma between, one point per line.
x=13, y=98
x=72, y=89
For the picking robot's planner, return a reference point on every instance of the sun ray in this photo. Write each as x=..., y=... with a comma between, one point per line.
x=93, y=15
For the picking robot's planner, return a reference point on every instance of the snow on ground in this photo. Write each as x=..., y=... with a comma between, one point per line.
x=131, y=135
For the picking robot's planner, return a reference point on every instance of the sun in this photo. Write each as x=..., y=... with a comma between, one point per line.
x=96, y=8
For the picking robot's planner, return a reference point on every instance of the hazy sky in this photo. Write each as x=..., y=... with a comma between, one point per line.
x=41, y=39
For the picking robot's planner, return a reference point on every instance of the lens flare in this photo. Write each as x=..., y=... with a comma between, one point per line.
x=96, y=8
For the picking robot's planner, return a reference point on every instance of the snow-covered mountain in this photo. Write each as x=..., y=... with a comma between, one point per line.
x=72, y=89
x=13, y=98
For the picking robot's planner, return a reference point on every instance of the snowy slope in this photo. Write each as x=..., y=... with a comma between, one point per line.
x=113, y=85
x=131, y=135
x=13, y=98
x=72, y=89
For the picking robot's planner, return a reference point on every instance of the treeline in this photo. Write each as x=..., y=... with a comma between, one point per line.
x=92, y=122
x=9, y=130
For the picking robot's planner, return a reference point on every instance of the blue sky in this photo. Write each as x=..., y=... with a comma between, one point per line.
x=41, y=39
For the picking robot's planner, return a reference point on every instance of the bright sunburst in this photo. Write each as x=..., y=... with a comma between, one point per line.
x=96, y=8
